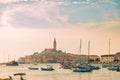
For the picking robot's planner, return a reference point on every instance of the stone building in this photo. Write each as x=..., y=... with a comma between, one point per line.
x=52, y=55
x=107, y=58
x=21, y=60
x=94, y=58
x=117, y=57
x=28, y=59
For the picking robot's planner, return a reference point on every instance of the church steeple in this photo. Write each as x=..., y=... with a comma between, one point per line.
x=54, y=44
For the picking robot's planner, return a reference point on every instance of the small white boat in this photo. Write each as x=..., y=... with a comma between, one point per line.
x=48, y=68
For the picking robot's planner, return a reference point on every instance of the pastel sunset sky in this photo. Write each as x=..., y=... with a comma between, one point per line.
x=28, y=26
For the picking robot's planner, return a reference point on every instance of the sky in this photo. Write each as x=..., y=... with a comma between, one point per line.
x=28, y=26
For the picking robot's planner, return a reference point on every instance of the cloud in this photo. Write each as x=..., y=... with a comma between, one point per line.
x=57, y=13
x=9, y=1
x=26, y=25
x=16, y=1
x=41, y=14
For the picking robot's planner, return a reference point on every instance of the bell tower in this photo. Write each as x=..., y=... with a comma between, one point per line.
x=54, y=44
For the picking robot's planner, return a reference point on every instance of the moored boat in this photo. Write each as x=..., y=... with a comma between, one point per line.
x=48, y=68
x=93, y=67
x=82, y=69
x=106, y=65
x=33, y=68
x=113, y=68
x=65, y=65
x=118, y=68
x=12, y=63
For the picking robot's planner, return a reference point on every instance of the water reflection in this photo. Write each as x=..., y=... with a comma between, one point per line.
x=84, y=76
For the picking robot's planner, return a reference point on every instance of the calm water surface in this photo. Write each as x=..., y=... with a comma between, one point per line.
x=58, y=74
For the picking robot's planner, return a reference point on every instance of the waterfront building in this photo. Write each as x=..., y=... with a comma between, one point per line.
x=21, y=60
x=53, y=55
x=117, y=57
x=28, y=59
x=107, y=58
x=94, y=58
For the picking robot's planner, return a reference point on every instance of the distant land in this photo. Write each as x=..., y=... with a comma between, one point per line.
x=52, y=55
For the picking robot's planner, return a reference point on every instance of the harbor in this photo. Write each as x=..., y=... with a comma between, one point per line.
x=57, y=74
x=59, y=39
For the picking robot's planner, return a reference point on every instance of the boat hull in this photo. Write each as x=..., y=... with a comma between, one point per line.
x=30, y=68
x=13, y=63
x=82, y=70
x=47, y=69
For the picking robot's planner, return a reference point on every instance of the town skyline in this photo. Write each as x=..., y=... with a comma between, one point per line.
x=30, y=26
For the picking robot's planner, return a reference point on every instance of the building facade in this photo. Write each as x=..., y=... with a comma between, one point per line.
x=117, y=57
x=107, y=58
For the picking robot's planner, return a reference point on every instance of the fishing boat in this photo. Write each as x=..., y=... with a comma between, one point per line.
x=118, y=68
x=33, y=68
x=113, y=68
x=93, y=67
x=65, y=65
x=105, y=65
x=48, y=68
x=83, y=69
x=12, y=63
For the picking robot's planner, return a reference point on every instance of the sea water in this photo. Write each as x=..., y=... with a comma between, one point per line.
x=57, y=74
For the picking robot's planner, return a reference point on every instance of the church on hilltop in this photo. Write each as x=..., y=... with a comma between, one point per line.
x=52, y=55
x=51, y=50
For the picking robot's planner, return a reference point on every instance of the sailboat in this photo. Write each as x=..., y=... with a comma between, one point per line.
x=108, y=65
x=82, y=67
x=12, y=63
x=92, y=67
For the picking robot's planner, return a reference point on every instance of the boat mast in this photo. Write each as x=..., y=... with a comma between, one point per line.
x=14, y=57
x=8, y=58
x=88, y=50
x=80, y=48
x=4, y=57
x=109, y=47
